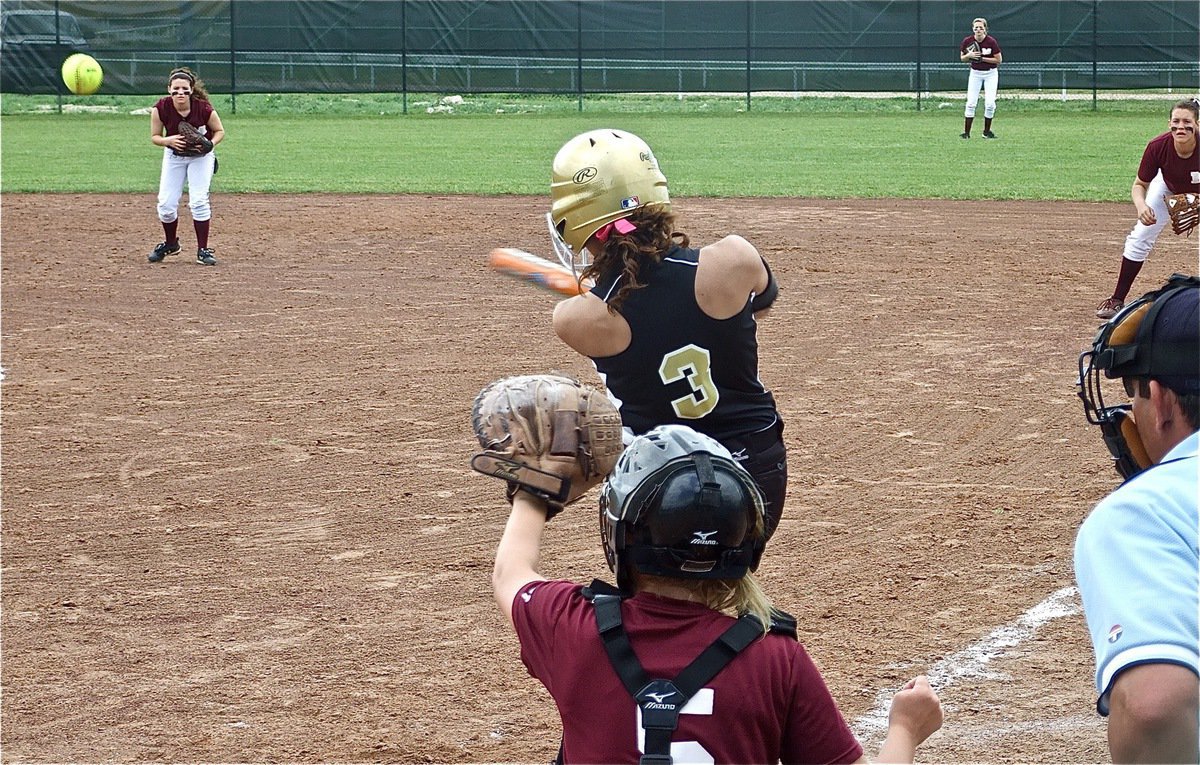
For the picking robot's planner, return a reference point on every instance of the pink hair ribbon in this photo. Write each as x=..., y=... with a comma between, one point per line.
x=621, y=225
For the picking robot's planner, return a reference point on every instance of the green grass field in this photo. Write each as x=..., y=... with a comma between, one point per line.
x=707, y=145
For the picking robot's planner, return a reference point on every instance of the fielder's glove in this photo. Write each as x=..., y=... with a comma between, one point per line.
x=194, y=144
x=546, y=434
x=1184, y=210
x=973, y=48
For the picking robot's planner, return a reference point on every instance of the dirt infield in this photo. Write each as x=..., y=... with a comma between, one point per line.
x=238, y=523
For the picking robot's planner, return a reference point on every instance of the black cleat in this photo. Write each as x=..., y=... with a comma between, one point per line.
x=964, y=135
x=988, y=134
x=163, y=250
x=204, y=257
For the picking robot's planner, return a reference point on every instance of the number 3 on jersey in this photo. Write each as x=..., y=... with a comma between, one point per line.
x=693, y=363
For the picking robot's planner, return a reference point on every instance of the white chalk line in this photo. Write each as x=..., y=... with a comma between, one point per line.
x=972, y=662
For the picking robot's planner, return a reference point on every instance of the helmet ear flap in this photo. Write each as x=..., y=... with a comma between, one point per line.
x=1125, y=327
x=612, y=539
x=1133, y=440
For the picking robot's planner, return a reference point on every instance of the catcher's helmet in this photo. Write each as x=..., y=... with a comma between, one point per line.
x=599, y=177
x=1156, y=336
x=678, y=505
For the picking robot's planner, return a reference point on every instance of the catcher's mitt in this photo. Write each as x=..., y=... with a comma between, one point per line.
x=196, y=144
x=546, y=434
x=1184, y=210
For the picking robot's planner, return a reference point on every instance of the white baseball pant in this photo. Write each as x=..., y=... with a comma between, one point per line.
x=1142, y=238
x=989, y=81
x=197, y=172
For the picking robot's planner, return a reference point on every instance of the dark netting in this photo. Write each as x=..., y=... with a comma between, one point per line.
x=597, y=46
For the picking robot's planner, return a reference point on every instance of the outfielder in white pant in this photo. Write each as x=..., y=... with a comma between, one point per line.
x=982, y=52
x=184, y=164
x=989, y=83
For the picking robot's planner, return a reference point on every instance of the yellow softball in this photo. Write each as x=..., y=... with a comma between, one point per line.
x=82, y=74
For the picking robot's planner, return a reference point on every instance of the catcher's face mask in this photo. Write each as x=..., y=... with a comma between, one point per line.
x=598, y=177
x=1125, y=347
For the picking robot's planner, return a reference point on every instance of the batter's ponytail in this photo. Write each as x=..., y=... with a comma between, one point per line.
x=654, y=236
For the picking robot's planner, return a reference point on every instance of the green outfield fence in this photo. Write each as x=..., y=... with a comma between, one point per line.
x=581, y=47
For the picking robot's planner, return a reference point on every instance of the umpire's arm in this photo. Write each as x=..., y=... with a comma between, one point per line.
x=517, y=554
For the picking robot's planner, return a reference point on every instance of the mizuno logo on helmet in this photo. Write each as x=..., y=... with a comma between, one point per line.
x=704, y=538
x=660, y=697
x=585, y=175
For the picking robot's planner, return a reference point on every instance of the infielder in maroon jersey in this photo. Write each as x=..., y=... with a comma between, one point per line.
x=682, y=529
x=982, y=52
x=187, y=101
x=1170, y=165
x=671, y=328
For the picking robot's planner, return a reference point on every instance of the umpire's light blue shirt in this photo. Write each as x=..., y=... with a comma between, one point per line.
x=1138, y=569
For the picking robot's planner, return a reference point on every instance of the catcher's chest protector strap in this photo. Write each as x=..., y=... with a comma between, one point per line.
x=661, y=700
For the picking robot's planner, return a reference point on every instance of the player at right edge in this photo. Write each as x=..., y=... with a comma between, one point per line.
x=1136, y=555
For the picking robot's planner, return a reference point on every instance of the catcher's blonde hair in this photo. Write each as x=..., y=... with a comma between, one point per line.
x=732, y=596
x=736, y=596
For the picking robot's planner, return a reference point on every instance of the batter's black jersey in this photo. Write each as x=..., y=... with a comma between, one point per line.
x=683, y=366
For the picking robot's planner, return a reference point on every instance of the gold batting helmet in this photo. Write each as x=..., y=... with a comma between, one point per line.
x=599, y=177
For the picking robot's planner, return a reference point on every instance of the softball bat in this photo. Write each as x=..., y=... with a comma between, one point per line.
x=537, y=270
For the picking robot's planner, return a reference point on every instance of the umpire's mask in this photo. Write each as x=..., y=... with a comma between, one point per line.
x=1139, y=343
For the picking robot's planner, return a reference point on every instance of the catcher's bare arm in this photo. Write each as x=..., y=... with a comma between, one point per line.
x=518, y=552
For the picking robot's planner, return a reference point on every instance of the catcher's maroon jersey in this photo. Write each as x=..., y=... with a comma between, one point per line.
x=770, y=704
x=683, y=366
x=988, y=46
x=1181, y=175
x=201, y=112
